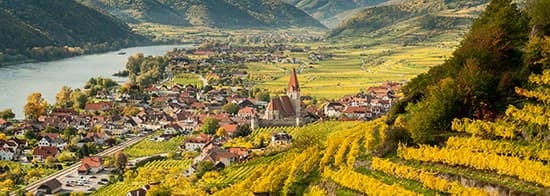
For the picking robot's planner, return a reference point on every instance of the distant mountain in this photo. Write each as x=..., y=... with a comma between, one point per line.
x=212, y=13
x=434, y=15
x=136, y=11
x=37, y=23
x=332, y=12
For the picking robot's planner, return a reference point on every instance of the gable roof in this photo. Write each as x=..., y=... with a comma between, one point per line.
x=230, y=128
x=247, y=110
x=101, y=106
x=52, y=184
x=283, y=105
x=45, y=151
x=90, y=162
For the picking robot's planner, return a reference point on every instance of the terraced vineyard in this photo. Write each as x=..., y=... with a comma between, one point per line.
x=153, y=171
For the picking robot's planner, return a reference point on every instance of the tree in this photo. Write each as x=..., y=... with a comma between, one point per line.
x=221, y=132
x=69, y=132
x=49, y=161
x=203, y=167
x=210, y=126
x=242, y=131
x=262, y=96
x=231, y=108
x=7, y=114
x=29, y=134
x=539, y=13
x=433, y=116
x=63, y=98
x=121, y=159
x=65, y=156
x=79, y=99
x=35, y=107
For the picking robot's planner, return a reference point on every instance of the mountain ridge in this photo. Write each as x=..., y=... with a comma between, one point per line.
x=30, y=24
x=439, y=14
x=211, y=13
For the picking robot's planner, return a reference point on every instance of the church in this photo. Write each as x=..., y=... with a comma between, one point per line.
x=286, y=107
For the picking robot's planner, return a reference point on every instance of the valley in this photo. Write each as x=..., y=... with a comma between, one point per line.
x=269, y=97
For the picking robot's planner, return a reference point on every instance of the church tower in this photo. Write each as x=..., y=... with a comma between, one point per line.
x=293, y=93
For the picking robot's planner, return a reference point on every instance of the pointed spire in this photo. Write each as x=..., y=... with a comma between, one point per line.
x=293, y=85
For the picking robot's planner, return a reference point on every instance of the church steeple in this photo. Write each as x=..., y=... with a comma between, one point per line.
x=293, y=93
x=293, y=85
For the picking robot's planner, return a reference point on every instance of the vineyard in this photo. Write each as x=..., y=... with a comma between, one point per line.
x=153, y=171
x=479, y=157
x=149, y=148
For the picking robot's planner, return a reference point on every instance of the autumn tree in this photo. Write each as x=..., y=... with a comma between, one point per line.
x=221, y=132
x=63, y=98
x=7, y=114
x=35, y=107
x=121, y=159
x=79, y=99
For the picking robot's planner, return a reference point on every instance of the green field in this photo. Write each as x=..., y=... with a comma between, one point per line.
x=185, y=79
x=149, y=148
x=352, y=70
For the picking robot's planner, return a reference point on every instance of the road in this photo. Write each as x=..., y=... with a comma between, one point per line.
x=33, y=187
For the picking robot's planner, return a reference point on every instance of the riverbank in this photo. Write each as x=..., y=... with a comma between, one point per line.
x=30, y=60
x=19, y=81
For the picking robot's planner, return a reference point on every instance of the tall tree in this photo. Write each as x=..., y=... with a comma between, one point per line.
x=121, y=159
x=35, y=107
x=63, y=98
x=78, y=98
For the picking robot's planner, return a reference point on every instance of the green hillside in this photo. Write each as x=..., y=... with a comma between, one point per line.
x=210, y=13
x=411, y=16
x=332, y=12
x=136, y=11
x=27, y=24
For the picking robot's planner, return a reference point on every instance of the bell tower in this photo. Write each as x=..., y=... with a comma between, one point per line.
x=293, y=93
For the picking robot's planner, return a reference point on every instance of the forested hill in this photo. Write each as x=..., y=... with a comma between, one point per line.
x=415, y=14
x=332, y=12
x=27, y=24
x=211, y=13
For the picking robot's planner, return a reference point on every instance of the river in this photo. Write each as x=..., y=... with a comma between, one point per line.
x=19, y=81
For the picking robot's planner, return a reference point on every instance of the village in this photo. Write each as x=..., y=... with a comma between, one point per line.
x=209, y=115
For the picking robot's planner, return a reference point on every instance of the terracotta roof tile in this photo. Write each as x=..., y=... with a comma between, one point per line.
x=293, y=83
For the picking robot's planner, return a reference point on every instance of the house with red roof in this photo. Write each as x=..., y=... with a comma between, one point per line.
x=99, y=107
x=192, y=144
x=247, y=112
x=356, y=112
x=40, y=153
x=230, y=128
x=91, y=165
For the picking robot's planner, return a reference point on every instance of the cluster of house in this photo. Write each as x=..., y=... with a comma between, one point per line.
x=12, y=148
x=212, y=149
x=376, y=102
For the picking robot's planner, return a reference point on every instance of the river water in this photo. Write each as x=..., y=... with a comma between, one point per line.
x=19, y=81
